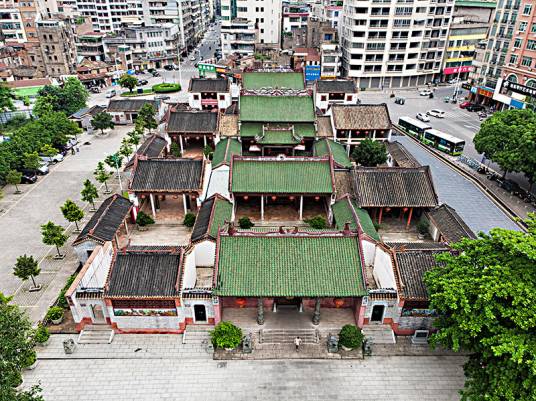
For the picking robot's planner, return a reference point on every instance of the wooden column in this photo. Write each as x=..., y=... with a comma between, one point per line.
x=126, y=226
x=184, y=204
x=409, y=217
x=205, y=140
x=151, y=198
x=181, y=145
x=301, y=207
x=262, y=208
x=380, y=218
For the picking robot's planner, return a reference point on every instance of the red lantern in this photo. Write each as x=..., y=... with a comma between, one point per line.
x=317, y=198
x=338, y=302
x=405, y=209
x=274, y=198
x=241, y=302
x=143, y=196
x=387, y=209
x=291, y=198
x=246, y=197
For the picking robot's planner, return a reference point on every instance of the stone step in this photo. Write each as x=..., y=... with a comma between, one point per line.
x=96, y=336
x=196, y=334
x=380, y=334
x=280, y=336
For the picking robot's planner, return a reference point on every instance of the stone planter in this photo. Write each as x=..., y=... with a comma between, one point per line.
x=32, y=366
x=142, y=228
x=34, y=289
x=420, y=236
x=57, y=321
x=44, y=344
x=346, y=348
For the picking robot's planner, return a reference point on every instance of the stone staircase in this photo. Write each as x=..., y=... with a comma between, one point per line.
x=282, y=336
x=380, y=333
x=96, y=334
x=196, y=334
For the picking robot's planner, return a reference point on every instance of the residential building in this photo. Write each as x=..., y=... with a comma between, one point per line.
x=58, y=47
x=394, y=45
x=125, y=111
x=250, y=24
x=295, y=16
x=330, y=92
x=330, y=60
x=12, y=26
x=91, y=46
x=206, y=93
x=192, y=129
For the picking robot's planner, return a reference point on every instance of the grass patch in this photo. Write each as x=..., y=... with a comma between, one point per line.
x=134, y=94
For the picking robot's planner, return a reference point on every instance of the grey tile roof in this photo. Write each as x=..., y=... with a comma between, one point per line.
x=192, y=122
x=414, y=246
x=139, y=273
x=88, y=110
x=167, y=175
x=336, y=86
x=400, y=155
x=208, y=85
x=361, y=117
x=324, y=127
x=411, y=268
x=394, y=187
x=105, y=221
x=121, y=105
x=152, y=147
x=202, y=220
x=475, y=208
x=450, y=224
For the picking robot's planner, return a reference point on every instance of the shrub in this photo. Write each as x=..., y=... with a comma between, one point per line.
x=245, y=223
x=175, y=149
x=54, y=313
x=226, y=335
x=166, y=88
x=422, y=226
x=62, y=301
x=30, y=359
x=41, y=334
x=317, y=222
x=143, y=219
x=350, y=336
x=189, y=220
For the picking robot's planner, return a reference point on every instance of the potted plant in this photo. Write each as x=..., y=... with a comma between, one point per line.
x=55, y=315
x=31, y=361
x=350, y=337
x=143, y=220
x=245, y=223
x=41, y=335
x=189, y=220
x=422, y=228
x=226, y=335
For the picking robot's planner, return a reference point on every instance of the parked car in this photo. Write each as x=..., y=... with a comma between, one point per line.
x=52, y=159
x=192, y=58
x=67, y=146
x=111, y=93
x=464, y=105
x=475, y=107
x=142, y=82
x=400, y=100
x=28, y=177
x=426, y=92
x=155, y=74
x=43, y=169
x=94, y=89
x=423, y=117
x=168, y=67
x=436, y=113
x=453, y=80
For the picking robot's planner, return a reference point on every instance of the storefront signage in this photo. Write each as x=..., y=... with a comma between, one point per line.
x=485, y=92
x=312, y=72
x=466, y=86
x=458, y=70
x=518, y=88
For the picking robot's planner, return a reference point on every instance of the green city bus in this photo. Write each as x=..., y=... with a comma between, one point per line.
x=413, y=127
x=444, y=142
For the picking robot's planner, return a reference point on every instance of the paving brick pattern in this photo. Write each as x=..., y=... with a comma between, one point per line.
x=472, y=205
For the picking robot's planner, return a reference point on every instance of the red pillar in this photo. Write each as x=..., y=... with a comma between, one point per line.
x=409, y=217
x=380, y=218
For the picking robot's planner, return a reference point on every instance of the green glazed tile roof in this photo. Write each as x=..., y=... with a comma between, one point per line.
x=346, y=210
x=278, y=138
x=276, y=80
x=326, y=147
x=283, y=109
x=225, y=149
x=250, y=129
x=305, y=129
x=223, y=210
x=289, y=176
x=289, y=266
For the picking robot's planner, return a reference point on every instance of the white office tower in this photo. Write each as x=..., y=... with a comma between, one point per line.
x=394, y=43
x=250, y=24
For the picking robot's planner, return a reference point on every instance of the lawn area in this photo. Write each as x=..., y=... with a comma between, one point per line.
x=134, y=94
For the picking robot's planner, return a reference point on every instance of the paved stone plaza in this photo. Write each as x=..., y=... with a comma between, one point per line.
x=165, y=369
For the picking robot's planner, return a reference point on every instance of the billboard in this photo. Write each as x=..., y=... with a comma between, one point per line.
x=312, y=72
x=456, y=70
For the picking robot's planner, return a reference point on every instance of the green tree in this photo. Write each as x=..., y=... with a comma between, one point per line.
x=72, y=212
x=102, y=176
x=126, y=148
x=58, y=128
x=147, y=115
x=102, y=121
x=89, y=193
x=48, y=150
x=32, y=161
x=484, y=295
x=17, y=348
x=128, y=81
x=134, y=137
x=53, y=235
x=508, y=138
x=43, y=105
x=6, y=98
x=115, y=161
x=27, y=267
x=14, y=177
x=68, y=99
x=370, y=153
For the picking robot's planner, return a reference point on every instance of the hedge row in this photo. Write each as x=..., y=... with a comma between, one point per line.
x=166, y=88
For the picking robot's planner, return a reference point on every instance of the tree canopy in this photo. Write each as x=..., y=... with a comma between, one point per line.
x=53, y=235
x=485, y=296
x=128, y=81
x=102, y=175
x=102, y=121
x=72, y=212
x=69, y=98
x=370, y=153
x=6, y=98
x=32, y=160
x=89, y=193
x=26, y=267
x=147, y=116
x=509, y=139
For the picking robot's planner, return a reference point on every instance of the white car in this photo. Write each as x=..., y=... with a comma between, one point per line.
x=192, y=58
x=425, y=92
x=52, y=159
x=423, y=117
x=436, y=113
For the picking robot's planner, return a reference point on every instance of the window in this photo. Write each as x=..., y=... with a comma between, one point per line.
x=242, y=9
x=196, y=97
x=522, y=26
x=526, y=61
x=513, y=59
x=222, y=97
x=533, y=28
x=531, y=45
x=323, y=98
x=517, y=43
x=527, y=9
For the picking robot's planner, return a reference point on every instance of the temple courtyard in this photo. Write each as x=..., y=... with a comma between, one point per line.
x=161, y=367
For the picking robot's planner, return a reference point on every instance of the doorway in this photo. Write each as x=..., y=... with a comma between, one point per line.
x=200, y=313
x=377, y=313
x=98, y=314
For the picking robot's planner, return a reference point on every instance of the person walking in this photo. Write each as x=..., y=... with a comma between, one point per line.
x=297, y=343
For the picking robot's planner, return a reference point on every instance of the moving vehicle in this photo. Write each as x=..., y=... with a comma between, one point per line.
x=426, y=92
x=475, y=107
x=464, y=105
x=111, y=93
x=413, y=127
x=155, y=73
x=423, y=117
x=168, y=67
x=400, y=100
x=445, y=142
x=436, y=113
x=52, y=159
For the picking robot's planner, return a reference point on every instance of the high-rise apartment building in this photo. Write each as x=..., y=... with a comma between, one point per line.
x=250, y=24
x=394, y=44
x=58, y=47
